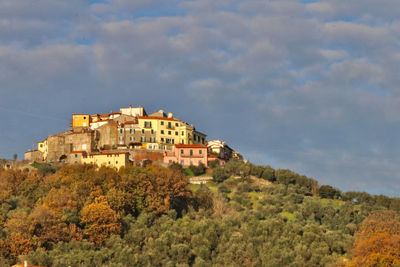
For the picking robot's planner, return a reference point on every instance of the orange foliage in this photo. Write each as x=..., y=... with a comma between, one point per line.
x=100, y=221
x=161, y=186
x=378, y=241
x=19, y=244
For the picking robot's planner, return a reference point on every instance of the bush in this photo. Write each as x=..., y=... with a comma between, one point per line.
x=214, y=164
x=219, y=175
x=44, y=168
x=268, y=174
x=198, y=170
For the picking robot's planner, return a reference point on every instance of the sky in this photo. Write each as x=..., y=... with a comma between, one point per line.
x=312, y=86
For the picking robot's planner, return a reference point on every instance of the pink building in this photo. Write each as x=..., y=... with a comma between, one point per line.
x=187, y=155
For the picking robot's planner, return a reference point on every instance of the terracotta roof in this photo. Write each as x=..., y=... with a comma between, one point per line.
x=158, y=118
x=189, y=146
x=212, y=156
x=130, y=122
x=78, y=151
x=114, y=113
x=80, y=114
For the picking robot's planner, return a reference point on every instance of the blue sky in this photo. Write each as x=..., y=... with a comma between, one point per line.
x=306, y=85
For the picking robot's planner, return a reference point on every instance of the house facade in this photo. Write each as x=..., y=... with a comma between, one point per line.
x=107, y=158
x=187, y=154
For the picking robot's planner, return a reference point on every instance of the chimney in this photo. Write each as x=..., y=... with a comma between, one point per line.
x=130, y=105
x=170, y=115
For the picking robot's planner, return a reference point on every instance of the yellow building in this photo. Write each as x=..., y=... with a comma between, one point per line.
x=170, y=131
x=80, y=120
x=42, y=147
x=109, y=158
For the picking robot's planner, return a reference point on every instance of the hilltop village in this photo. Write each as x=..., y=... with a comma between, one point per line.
x=130, y=136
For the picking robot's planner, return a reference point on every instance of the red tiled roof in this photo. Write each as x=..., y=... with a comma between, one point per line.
x=130, y=122
x=78, y=151
x=212, y=156
x=189, y=146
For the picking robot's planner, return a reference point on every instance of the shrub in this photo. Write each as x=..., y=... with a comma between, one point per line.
x=198, y=170
x=219, y=175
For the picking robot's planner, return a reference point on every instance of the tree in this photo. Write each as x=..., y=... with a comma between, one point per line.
x=327, y=191
x=268, y=174
x=378, y=240
x=219, y=175
x=99, y=220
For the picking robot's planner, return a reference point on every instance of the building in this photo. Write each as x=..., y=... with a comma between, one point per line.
x=220, y=149
x=75, y=157
x=128, y=130
x=107, y=158
x=187, y=154
x=33, y=155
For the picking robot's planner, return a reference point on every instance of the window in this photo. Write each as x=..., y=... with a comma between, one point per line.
x=173, y=141
x=150, y=146
x=76, y=155
x=142, y=130
x=169, y=124
x=183, y=142
x=130, y=131
x=120, y=130
x=200, y=152
x=162, y=139
x=202, y=140
x=147, y=124
x=176, y=133
x=176, y=124
x=169, y=132
x=84, y=117
x=191, y=152
x=183, y=133
x=116, y=162
x=133, y=130
x=182, y=162
x=152, y=131
x=170, y=161
x=162, y=123
x=109, y=162
x=131, y=138
x=162, y=131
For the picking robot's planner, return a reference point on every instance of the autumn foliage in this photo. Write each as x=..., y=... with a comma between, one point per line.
x=378, y=241
x=79, y=202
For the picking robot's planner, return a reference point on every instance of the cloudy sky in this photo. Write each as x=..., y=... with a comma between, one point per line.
x=308, y=85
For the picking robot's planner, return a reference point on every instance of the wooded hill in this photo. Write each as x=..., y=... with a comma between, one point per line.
x=80, y=215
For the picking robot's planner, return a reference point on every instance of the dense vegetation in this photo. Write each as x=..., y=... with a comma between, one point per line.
x=250, y=215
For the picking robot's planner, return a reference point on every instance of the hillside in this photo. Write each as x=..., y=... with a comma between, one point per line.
x=80, y=215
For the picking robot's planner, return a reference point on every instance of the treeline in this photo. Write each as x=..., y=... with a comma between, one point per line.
x=309, y=186
x=81, y=215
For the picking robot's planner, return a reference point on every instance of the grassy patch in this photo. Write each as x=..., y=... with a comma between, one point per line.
x=288, y=215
